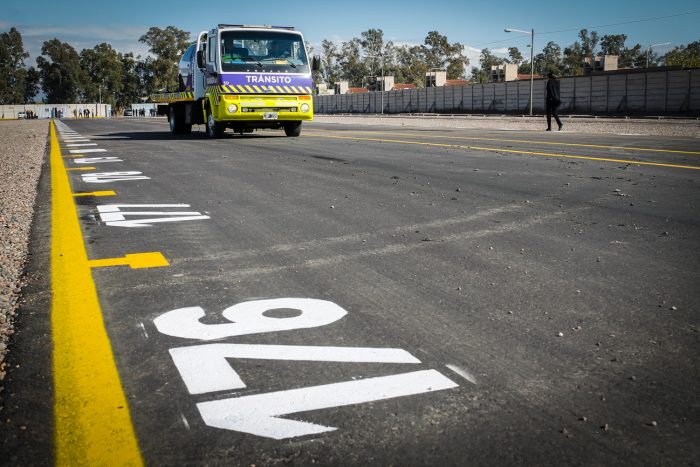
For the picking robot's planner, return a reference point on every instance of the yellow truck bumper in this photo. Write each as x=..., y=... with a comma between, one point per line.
x=262, y=108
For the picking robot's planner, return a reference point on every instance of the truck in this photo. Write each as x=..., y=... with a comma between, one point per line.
x=242, y=77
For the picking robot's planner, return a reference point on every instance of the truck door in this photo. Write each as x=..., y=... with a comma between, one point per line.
x=186, y=70
x=212, y=52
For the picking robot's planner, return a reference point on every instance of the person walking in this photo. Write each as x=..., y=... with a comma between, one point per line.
x=553, y=101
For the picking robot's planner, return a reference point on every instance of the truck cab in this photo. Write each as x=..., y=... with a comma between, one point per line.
x=243, y=78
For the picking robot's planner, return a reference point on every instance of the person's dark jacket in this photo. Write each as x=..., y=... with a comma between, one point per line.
x=553, y=93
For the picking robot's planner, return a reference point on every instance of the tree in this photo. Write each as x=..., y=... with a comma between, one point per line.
x=102, y=74
x=167, y=45
x=31, y=85
x=514, y=56
x=441, y=54
x=146, y=75
x=316, y=75
x=60, y=72
x=588, y=43
x=351, y=63
x=12, y=72
x=329, y=62
x=613, y=44
x=486, y=61
x=550, y=60
x=133, y=82
x=687, y=56
x=411, y=64
x=633, y=57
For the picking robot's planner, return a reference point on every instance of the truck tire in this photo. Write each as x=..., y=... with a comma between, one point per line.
x=292, y=129
x=214, y=129
x=176, y=118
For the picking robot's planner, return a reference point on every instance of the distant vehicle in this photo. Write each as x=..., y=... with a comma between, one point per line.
x=128, y=113
x=21, y=115
x=243, y=78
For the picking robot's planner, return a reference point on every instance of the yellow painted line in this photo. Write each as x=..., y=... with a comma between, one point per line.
x=91, y=415
x=81, y=168
x=134, y=261
x=504, y=140
x=96, y=193
x=509, y=151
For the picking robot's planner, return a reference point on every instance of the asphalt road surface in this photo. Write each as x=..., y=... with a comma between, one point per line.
x=373, y=296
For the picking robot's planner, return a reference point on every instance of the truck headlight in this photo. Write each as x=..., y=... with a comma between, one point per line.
x=304, y=108
x=232, y=108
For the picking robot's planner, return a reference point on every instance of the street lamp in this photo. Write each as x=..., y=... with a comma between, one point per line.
x=532, y=55
x=651, y=47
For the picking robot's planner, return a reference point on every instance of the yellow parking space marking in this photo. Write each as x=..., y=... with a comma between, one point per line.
x=505, y=140
x=96, y=193
x=80, y=168
x=508, y=151
x=134, y=261
x=92, y=422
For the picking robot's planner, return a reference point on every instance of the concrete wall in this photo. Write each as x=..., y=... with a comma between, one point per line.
x=649, y=93
x=51, y=110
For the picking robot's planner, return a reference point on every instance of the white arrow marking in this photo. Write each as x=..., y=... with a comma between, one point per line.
x=257, y=414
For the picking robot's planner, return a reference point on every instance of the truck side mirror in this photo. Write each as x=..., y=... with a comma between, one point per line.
x=200, y=59
x=316, y=63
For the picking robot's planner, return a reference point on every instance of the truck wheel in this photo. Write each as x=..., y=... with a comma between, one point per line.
x=292, y=129
x=176, y=118
x=214, y=129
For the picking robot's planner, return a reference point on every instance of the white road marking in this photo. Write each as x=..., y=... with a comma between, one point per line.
x=80, y=151
x=112, y=215
x=107, y=177
x=96, y=160
x=143, y=328
x=204, y=368
x=184, y=421
x=248, y=318
x=74, y=145
x=257, y=414
x=462, y=372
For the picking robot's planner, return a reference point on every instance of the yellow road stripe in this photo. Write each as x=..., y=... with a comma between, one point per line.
x=552, y=143
x=510, y=151
x=91, y=414
x=80, y=168
x=134, y=261
x=96, y=193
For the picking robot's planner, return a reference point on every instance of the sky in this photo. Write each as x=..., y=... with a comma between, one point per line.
x=476, y=25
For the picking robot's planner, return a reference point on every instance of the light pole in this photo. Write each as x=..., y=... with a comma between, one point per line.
x=651, y=47
x=532, y=61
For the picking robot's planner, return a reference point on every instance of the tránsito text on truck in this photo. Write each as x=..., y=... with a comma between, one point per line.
x=243, y=78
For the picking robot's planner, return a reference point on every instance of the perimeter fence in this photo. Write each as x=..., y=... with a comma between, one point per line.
x=675, y=92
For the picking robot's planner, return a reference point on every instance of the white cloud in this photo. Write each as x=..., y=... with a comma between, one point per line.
x=124, y=39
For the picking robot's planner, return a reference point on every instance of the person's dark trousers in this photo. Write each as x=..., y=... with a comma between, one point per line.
x=553, y=109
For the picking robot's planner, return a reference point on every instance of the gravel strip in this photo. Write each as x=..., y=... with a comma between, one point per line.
x=22, y=148
x=620, y=126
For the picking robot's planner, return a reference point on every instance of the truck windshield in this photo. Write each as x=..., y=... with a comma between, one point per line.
x=269, y=51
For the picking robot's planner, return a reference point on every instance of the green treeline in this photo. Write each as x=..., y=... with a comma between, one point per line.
x=103, y=74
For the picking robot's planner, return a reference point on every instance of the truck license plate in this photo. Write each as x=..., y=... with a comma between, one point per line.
x=270, y=116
